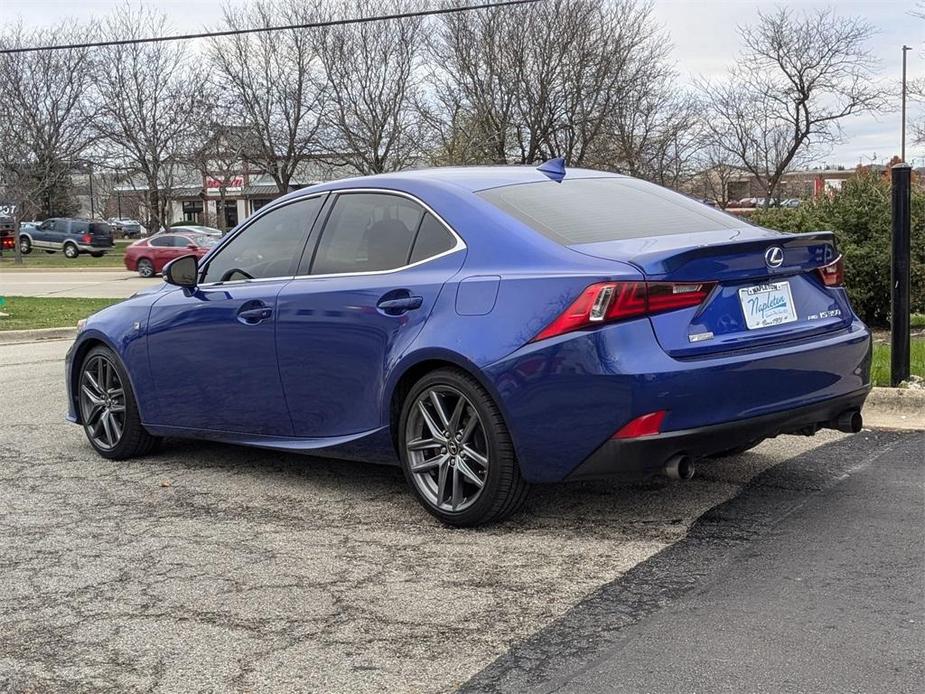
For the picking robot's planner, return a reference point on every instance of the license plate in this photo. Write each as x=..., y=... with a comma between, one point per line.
x=767, y=304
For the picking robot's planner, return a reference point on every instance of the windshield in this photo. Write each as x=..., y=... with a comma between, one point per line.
x=591, y=210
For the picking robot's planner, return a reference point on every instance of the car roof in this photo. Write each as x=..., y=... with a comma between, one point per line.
x=469, y=178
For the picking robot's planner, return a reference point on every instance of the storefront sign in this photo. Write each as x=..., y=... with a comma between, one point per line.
x=213, y=183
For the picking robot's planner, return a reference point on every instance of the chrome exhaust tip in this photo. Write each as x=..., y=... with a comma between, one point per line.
x=849, y=421
x=679, y=467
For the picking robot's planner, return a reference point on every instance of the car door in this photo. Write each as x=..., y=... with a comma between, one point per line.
x=358, y=302
x=161, y=251
x=167, y=247
x=212, y=350
x=45, y=237
x=58, y=235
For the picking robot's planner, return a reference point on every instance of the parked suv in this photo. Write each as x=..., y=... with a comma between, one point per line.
x=70, y=236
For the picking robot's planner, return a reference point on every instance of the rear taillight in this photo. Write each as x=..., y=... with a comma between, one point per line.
x=86, y=238
x=606, y=302
x=833, y=274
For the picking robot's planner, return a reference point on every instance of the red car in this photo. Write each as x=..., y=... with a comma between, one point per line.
x=149, y=256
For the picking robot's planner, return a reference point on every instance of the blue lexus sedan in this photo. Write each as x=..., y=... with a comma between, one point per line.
x=486, y=328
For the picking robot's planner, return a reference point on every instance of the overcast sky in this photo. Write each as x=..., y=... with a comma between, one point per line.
x=703, y=33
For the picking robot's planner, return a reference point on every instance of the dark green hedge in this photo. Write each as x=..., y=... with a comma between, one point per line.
x=859, y=214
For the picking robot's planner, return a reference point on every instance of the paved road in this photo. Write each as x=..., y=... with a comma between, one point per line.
x=109, y=284
x=810, y=580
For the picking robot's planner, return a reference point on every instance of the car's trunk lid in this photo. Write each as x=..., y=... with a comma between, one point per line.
x=767, y=286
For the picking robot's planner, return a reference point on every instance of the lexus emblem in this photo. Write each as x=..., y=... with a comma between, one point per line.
x=774, y=256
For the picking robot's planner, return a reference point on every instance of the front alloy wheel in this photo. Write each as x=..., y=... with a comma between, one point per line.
x=456, y=451
x=107, y=407
x=102, y=402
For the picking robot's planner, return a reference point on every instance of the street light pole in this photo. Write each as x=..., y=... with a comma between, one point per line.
x=90, y=174
x=902, y=152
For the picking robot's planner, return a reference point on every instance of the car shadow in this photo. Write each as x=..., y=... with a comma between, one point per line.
x=329, y=488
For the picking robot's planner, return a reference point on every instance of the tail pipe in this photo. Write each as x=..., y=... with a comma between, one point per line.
x=849, y=421
x=679, y=467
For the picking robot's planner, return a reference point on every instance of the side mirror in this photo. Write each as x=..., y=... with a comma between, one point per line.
x=183, y=272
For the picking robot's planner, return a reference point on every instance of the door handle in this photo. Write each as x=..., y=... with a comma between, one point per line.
x=252, y=316
x=397, y=306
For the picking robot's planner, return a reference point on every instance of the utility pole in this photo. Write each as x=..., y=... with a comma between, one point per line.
x=902, y=151
x=90, y=174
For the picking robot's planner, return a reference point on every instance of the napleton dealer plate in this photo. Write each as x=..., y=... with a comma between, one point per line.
x=765, y=305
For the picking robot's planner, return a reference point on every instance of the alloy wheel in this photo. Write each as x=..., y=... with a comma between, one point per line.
x=102, y=402
x=145, y=268
x=446, y=449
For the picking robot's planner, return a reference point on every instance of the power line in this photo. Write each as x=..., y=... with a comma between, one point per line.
x=259, y=30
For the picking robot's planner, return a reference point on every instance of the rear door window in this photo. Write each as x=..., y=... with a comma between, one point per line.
x=162, y=241
x=592, y=210
x=367, y=232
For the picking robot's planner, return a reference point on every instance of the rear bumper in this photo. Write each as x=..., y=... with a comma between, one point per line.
x=564, y=398
x=645, y=457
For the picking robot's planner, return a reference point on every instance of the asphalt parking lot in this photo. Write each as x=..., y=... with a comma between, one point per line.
x=212, y=568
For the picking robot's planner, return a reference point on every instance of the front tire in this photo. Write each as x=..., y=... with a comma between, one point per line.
x=108, y=408
x=145, y=268
x=456, y=451
x=71, y=251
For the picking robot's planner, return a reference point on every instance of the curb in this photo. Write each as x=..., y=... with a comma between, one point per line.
x=895, y=408
x=10, y=337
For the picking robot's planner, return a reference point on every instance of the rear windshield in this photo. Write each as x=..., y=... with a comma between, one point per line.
x=100, y=229
x=591, y=210
x=80, y=226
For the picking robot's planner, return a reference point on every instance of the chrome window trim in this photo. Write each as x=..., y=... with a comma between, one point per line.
x=459, y=245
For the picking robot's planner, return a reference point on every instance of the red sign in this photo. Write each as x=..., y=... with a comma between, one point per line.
x=230, y=182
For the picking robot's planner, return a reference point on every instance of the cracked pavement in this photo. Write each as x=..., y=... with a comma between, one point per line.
x=213, y=568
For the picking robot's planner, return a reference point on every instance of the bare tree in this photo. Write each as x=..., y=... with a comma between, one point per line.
x=149, y=103
x=274, y=82
x=45, y=114
x=799, y=77
x=525, y=84
x=373, y=75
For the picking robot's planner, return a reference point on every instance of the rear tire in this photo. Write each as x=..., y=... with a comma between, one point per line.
x=108, y=408
x=458, y=458
x=97, y=255
x=71, y=251
x=145, y=267
x=25, y=245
